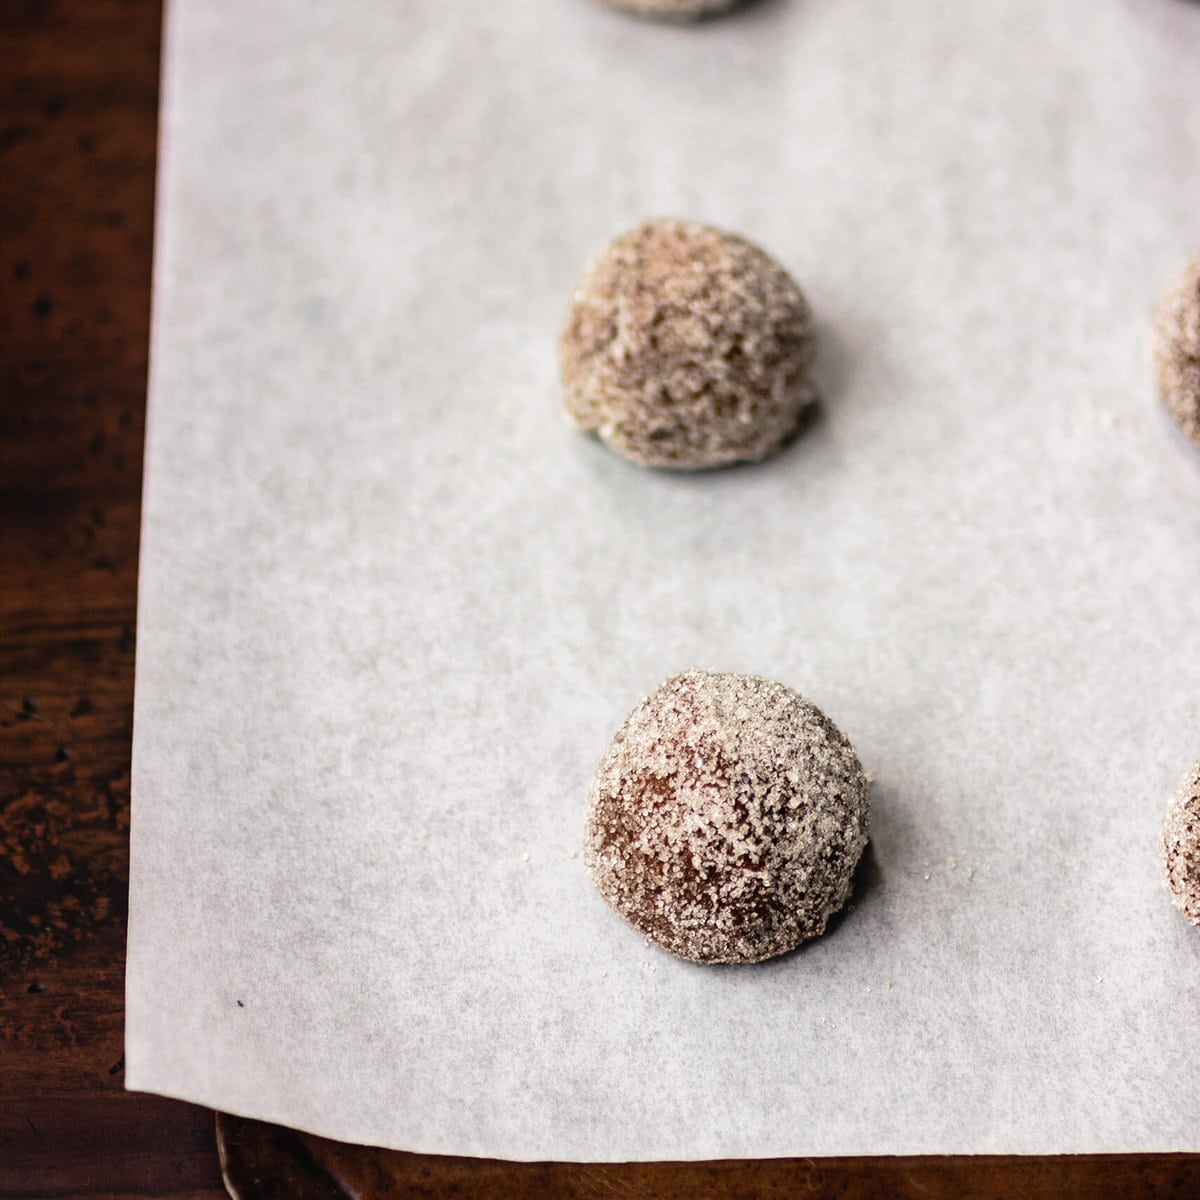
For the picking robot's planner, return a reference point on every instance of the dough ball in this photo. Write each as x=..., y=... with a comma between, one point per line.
x=1181, y=847
x=1177, y=350
x=726, y=818
x=675, y=10
x=687, y=347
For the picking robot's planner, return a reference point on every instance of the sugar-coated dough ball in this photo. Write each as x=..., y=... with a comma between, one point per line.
x=687, y=347
x=675, y=10
x=1181, y=847
x=726, y=818
x=1177, y=349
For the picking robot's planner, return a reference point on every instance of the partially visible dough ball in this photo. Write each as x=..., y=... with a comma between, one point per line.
x=687, y=347
x=1177, y=349
x=1181, y=847
x=675, y=10
x=726, y=818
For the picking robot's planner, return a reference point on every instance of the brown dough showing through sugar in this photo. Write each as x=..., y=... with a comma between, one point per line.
x=1177, y=349
x=687, y=347
x=1181, y=847
x=727, y=818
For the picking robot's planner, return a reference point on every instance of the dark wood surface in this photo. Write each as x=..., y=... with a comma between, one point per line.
x=78, y=107
x=265, y=1162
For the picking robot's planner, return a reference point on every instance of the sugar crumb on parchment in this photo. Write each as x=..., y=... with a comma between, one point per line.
x=726, y=818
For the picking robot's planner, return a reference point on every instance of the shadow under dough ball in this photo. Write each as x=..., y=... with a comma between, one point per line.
x=1181, y=847
x=687, y=347
x=1177, y=349
x=726, y=818
x=675, y=10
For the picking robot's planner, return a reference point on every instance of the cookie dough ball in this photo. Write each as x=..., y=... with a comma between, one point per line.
x=1177, y=350
x=675, y=10
x=727, y=818
x=1181, y=847
x=687, y=347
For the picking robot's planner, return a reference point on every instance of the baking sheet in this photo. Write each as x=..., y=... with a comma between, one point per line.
x=393, y=607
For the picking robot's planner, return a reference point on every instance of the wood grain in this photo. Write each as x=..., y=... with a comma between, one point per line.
x=78, y=107
x=316, y=1169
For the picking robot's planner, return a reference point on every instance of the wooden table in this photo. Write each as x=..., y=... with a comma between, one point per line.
x=78, y=109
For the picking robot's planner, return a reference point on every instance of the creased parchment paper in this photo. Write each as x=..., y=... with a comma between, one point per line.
x=393, y=607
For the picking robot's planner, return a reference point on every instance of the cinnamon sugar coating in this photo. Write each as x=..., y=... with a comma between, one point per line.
x=687, y=347
x=675, y=10
x=1177, y=349
x=1181, y=847
x=726, y=818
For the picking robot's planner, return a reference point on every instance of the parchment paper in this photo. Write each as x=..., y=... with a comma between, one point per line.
x=393, y=607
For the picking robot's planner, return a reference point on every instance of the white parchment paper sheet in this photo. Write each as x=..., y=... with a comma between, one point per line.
x=393, y=607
